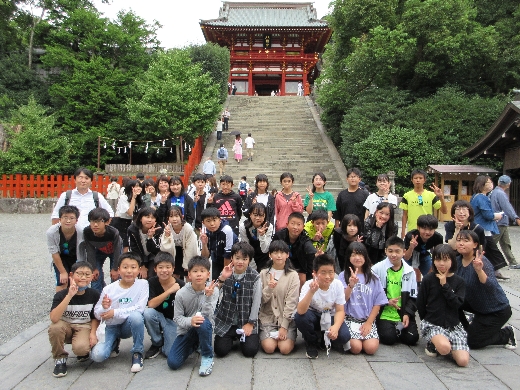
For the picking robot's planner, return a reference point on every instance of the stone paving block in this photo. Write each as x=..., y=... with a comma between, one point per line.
x=113, y=373
x=231, y=372
x=273, y=375
x=24, y=360
x=297, y=353
x=394, y=353
x=474, y=376
x=42, y=378
x=352, y=371
x=508, y=375
x=406, y=376
x=157, y=375
x=496, y=355
x=21, y=338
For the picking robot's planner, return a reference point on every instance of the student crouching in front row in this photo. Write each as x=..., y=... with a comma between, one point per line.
x=121, y=305
x=193, y=312
x=237, y=313
x=396, y=321
x=321, y=306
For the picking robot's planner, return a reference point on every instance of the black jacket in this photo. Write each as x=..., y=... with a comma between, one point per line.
x=301, y=253
x=270, y=206
x=189, y=210
x=153, y=244
x=439, y=305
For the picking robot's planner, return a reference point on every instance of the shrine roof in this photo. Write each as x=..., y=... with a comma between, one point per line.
x=262, y=14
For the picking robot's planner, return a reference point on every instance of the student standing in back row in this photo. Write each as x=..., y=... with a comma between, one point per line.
x=419, y=201
x=81, y=197
x=351, y=200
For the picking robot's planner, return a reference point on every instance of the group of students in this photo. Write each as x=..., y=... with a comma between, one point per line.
x=262, y=279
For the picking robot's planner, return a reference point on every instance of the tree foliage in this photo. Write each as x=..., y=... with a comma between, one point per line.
x=397, y=149
x=213, y=60
x=175, y=98
x=438, y=67
x=36, y=145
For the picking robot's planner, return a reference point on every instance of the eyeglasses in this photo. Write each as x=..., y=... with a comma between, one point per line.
x=65, y=249
x=82, y=275
x=461, y=209
x=419, y=198
x=236, y=286
x=68, y=219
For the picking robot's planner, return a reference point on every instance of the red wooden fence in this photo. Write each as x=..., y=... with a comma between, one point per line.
x=51, y=186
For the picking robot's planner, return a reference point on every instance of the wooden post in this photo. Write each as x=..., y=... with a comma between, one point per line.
x=98, y=151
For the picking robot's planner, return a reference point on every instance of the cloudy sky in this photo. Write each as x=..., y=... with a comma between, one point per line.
x=180, y=18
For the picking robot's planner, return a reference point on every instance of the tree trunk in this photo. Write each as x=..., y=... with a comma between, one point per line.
x=36, y=21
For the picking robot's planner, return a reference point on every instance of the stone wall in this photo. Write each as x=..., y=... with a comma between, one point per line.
x=27, y=205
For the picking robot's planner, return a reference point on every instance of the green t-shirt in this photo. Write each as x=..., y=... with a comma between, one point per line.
x=321, y=201
x=416, y=206
x=393, y=290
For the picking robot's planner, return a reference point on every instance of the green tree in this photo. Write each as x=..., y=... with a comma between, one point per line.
x=396, y=149
x=98, y=61
x=36, y=145
x=213, y=60
x=454, y=120
x=372, y=109
x=176, y=99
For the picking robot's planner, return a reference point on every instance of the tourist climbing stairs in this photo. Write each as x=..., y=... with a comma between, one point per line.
x=287, y=140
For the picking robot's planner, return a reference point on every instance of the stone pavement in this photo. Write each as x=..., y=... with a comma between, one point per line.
x=25, y=363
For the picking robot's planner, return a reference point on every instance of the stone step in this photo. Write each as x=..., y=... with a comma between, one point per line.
x=287, y=140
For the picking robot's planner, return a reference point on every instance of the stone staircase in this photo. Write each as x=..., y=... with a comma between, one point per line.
x=287, y=140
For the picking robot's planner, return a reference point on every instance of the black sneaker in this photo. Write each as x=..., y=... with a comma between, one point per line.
x=115, y=350
x=152, y=352
x=60, y=368
x=311, y=351
x=137, y=362
x=430, y=349
x=512, y=338
x=83, y=358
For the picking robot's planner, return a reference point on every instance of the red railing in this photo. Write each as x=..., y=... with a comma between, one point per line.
x=51, y=186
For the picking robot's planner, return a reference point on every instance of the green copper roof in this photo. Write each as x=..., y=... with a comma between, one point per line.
x=266, y=15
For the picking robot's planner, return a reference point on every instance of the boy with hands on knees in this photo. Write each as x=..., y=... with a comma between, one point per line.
x=121, y=305
x=321, y=307
x=72, y=318
x=396, y=321
x=193, y=312
x=158, y=316
x=237, y=313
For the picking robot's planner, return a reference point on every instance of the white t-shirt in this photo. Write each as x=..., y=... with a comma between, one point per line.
x=325, y=300
x=374, y=199
x=249, y=142
x=262, y=198
x=122, y=207
x=124, y=300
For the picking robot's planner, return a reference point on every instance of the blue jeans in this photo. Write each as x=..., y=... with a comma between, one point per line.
x=309, y=326
x=185, y=344
x=132, y=327
x=100, y=260
x=425, y=264
x=162, y=330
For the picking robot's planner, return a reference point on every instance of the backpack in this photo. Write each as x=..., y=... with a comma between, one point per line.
x=221, y=153
x=94, y=195
x=242, y=189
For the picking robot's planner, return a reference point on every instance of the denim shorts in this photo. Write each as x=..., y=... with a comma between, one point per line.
x=57, y=272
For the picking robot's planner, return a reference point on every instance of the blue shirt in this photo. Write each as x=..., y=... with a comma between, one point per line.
x=484, y=214
x=486, y=297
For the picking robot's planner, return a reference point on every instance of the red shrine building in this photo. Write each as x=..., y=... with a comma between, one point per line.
x=273, y=46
